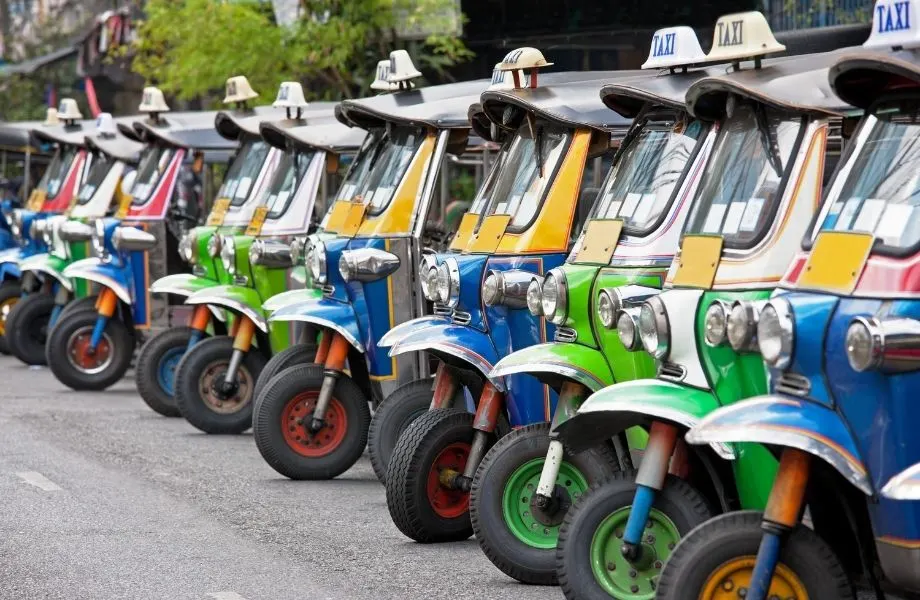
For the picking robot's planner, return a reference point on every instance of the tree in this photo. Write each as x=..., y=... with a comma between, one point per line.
x=190, y=47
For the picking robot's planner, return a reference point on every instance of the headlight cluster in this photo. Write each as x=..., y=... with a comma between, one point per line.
x=535, y=298
x=99, y=238
x=509, y=288
x=367, y=264
x=297, y=250
x=554, y=297
x=270, y=253
x=228, y=254
x=628, y=328
x=764, y=326
x=188, y=246
x=889, y=345
x=776, y=333
x=447, y=283
x=214, y=246
x=428, y=277
x=640, y=316
x=316, y=262
x=654, y=329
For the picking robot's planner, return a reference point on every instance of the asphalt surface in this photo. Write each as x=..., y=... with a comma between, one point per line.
x=103, y=499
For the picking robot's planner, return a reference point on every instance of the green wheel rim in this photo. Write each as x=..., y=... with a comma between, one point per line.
x=519, y=491
x=616, y=575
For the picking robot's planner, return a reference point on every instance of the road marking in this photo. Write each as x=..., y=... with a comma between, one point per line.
x=226, y=596
x=38, y=480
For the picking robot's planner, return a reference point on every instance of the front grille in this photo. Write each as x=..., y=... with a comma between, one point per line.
x=565, y=334
x=462, y=318
x=672, y=372
x=793, y=384
x=328, y=290
x=443, y=311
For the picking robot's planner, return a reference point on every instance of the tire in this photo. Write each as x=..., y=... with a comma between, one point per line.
x=298, y=354
x=589, y=538
x=10, y=293
x=27, y=328
x=78, y=305
x=407, y=403
x=287, y=400
x=65, y=350
x=438, y=439
x=519, y=538
x=155, y=371
x=204, y=364
x=731, y=536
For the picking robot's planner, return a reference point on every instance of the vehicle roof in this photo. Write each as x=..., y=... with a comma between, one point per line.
x=668, y=89
x=328, y=135
x=117, y=146
x=569, y=98
x=185, y=130
x=71, y=135
x=233, y=123
x=18, y=135
x=860, y=76
x=439, y=106
x=791, y=83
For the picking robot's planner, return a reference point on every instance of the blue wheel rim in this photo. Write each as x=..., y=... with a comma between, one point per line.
x=166, y=369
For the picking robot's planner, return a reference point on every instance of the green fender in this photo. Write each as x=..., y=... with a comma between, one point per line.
x=48, y=264
x=290, y=297
x=581, y=364
x=182, y=284
x=245, y=301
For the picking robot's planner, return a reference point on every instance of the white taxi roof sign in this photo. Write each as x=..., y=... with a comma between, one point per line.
x=674, y=47
x=152, y=101
x=500, y=79
x=68, y=110
x=895, y=24
x=401, y=67
x=290, y=95
x=51, y=117
x=239, y=90
x=105, y=125
x=380, y=82
x=743, y=35
x=523, y=58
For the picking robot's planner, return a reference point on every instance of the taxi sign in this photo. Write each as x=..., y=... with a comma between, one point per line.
x=51, y=117
x=218, y=212
x=894, y=25
x=380, y=82
x=239, y=90
x=520, y=60
x=290, y=95
x=152, y=101
x=402, y=69
x=257, y=221
x=500, y=79
x=674, y=47
x=105, y=125
x=743, y=35
x=68, y=110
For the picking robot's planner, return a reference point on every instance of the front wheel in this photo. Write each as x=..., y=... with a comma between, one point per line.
x=516, y=531
x=76, y=364
x=719, y=556
x=407, y=403
x=155, y=372
x=298, y=354
x=589, y=560
x=200, y=393
x=27, y=328
x=284, y=413
x=10, y=293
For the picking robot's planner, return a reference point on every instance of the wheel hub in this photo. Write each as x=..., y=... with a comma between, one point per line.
x=550, y=510
x=220, y=396
x=732, y=580
x=297, y=425
x=444, y=496
x=83, y=357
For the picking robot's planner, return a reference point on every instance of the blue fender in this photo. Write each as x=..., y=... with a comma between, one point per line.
x=905, y=485
x=291, y=297
x=582, y=364
x=9, y=263
x=111, y=275
x=338, y=316
x=457, y=341
x=403, y=330
x=47, y=264
x=783, y=421
x=244, y=300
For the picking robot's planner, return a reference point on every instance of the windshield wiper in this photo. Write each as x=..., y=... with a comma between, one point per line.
x=768, y=139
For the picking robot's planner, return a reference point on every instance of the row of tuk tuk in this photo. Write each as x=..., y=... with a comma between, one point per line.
x=667, y=351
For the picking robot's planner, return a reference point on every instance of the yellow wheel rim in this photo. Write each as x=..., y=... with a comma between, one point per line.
x=733, y=576
x=5, y=307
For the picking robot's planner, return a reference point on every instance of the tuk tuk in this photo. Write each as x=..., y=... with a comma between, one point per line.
x=779, y=126
x=236, y=202
x=310, y=421
x=840, y=340
x=91, y=350
x=260, y=263
x=112, y=162
x=622, y=254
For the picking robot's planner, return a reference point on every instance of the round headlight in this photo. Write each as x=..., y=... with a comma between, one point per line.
x=255, y=251
x=35, y=229
x=185, y=246
x=427, y=283
x=776, y=333
x=430, y=285
x=492, y=289
x=345, y=266
x=742, y=326
x=535, y=298
x=626, y=330
x=214, y=246
x=442, y=284
x=864, y=344
x=297, y=245
x=228, y=254
x=653, y=327
x=554, y=297
x=316, y=261
x=606, y=309
x=716, y=323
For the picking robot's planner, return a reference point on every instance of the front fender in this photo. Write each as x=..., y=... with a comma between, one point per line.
x=581, y=364
x=50, y=265
x=398, y=333
x=243, y=300
x=291, y=297
x=111, y=276
x=186, y=284
x=9, y=263
x=783, y=421
x=451, y=342
x=905, y=485
x=338, y=316
x=618, y=407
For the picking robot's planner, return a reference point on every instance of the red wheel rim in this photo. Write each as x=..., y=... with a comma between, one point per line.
x=81, y=356
x=296, y=417
x=448, y=503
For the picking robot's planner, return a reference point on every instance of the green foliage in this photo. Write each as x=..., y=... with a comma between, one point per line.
x=190, y=47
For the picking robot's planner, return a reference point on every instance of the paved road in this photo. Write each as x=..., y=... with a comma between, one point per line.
x=102, y=499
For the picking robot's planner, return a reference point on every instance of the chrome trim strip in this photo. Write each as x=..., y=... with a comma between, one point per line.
x=567, y=371
x=108, y=282
x=233, y=305
x=324, y=323
x=474, y=359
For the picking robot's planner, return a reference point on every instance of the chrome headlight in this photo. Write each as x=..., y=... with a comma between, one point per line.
x=507, y=287
x=228, y=254
x=427, y=279
x=447, y=283
x=75, y=231
x=742, y=325
x=270, y=253
x=716, y=323
x=214, y=246
x=297, y=250
x=606, y=309
x=99, y=238
x=535, y=298
x=554, y=300
x=316, y=262
x=654, y=330
x=889, y=345
x=133, y=239
x=187, y=246
x=48, y=231
x=628, y=328
x=37, y=228
x=776, y=333
x=16, y=222
x=367, y=264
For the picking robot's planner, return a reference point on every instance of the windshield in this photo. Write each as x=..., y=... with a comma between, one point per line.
x=54, y=175
x=244, y=171
x=154, y=161
x=742, y=185
x=100, y=168
x=280, y=192
x=487, y=189
x=530, y=165
x=389, y=163
x=881, y=189
x=641, y=185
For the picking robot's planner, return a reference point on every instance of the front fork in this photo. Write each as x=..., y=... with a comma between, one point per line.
x=332, y=353
x=244, y=329
x=106, y=304
x=571, y=397
x=61, y=298
x=782, y=515
x=199, y=321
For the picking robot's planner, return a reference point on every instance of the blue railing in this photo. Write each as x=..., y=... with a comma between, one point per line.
x=799, y=14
